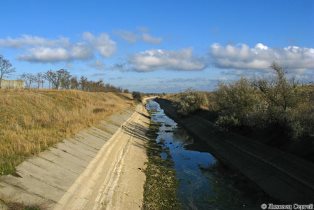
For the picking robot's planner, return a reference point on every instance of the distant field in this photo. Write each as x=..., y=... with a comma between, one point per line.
x=31, y=121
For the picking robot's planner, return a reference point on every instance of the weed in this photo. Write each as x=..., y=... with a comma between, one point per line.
x=161, y=184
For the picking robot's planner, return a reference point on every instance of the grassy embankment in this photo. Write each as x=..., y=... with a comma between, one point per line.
x=32, y=121
x=277, y=112
x=161, y=183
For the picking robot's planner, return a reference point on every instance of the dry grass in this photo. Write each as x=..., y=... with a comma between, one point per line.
x=31, y=121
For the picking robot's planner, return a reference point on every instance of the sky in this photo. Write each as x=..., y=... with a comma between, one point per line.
x=159, y=45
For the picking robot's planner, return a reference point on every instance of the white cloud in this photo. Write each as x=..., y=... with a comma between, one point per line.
x=127, y=36
x=261, y=46
x=50, y=55
x=140, y=35
x=241, y=56
x=39, y=49
x=157, y=59
x=46, y=54
x=81, y=51
x=150, y=39
x=28, y=40
x=105, y=46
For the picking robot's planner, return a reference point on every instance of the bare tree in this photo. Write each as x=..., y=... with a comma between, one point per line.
x=64, y=77
x=74, y=83
x=84, y=83
x=28, y=79
x=5, y=68
x=51, y=77
x=59, y=79
x=39, y=79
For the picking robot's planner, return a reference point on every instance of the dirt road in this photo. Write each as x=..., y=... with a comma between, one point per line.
x=115, y=178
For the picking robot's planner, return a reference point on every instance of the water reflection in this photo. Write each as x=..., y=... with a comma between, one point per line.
x=202, y=185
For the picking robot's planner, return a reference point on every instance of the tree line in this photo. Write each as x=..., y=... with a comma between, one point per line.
x=62, y=79
x=57, y=79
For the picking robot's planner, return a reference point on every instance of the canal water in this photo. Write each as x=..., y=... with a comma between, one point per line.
x=202, y=182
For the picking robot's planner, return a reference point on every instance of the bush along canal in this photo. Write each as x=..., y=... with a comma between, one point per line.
x=182, y=173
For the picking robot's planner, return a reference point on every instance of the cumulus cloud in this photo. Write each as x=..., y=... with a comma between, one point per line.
x=81, y=51
x=157, y=59
x=28, y=40
x=241, y=56
x=140, y=35
x=105, y=46
x=57, y=54
x=40, y=49
x=46, y=54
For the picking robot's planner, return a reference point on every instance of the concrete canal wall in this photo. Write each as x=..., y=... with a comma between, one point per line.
x=283, y=176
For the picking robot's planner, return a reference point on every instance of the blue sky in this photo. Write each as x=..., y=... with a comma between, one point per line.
x=163, y=46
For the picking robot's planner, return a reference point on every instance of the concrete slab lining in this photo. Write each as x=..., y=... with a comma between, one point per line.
x=43, y=180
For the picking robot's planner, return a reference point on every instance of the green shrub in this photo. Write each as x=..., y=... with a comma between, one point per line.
x=189, y=102
x=228, y=121
x=284, y=104
x=280, y=94
x=301, y=120
x=237, y=103
x=280, y=107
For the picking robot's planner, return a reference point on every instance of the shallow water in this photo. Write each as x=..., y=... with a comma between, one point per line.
x=201, y=184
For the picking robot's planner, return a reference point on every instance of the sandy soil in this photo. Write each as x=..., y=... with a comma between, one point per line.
x=114, y=179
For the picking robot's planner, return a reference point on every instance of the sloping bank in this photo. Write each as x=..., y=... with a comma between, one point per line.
x=99, y=168
x=283, y=176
